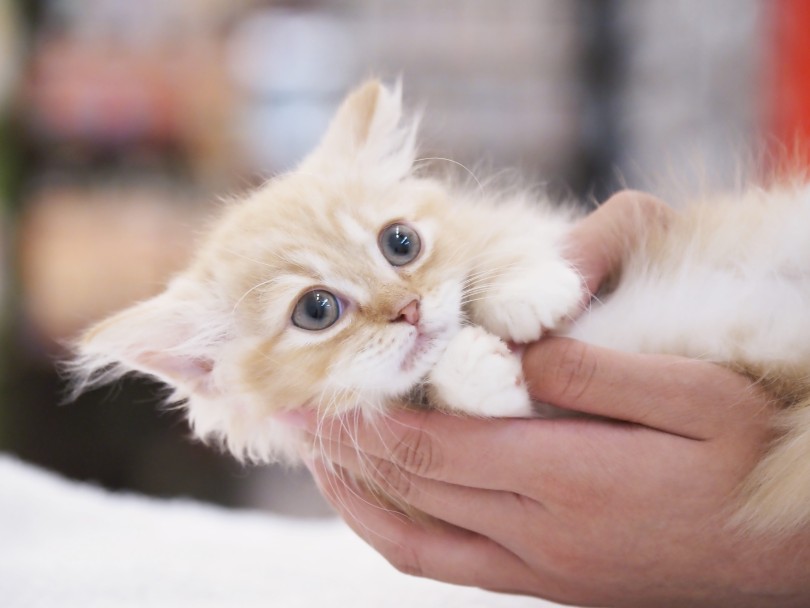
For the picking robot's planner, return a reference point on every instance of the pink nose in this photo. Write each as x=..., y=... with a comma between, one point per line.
x=409, y=314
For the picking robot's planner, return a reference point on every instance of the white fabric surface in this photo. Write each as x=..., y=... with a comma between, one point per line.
x=65, y=544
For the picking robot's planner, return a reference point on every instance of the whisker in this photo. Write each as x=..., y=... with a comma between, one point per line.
x=251, y=290
x=246, y=257
x=454, y=162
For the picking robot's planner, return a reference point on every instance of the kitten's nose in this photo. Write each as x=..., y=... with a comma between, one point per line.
x=410, y=313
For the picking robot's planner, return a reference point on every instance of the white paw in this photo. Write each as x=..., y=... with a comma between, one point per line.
x=523, y=307
x=478, y=375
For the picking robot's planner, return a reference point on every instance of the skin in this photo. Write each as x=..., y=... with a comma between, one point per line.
x=629, y=510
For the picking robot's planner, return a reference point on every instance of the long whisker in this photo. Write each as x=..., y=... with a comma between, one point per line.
x=249, y=291
x=454, y=162
x=245, y=257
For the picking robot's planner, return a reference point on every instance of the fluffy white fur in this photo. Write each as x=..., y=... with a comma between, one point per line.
x=727, y=282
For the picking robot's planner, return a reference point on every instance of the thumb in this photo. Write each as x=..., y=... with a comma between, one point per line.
x=597, y=244
x=672, y=394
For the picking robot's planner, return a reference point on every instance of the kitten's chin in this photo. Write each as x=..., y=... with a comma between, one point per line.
x=423, y=353
x=417, y=356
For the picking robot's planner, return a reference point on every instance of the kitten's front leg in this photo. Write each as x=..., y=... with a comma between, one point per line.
x=526, y=297
x=479, y=375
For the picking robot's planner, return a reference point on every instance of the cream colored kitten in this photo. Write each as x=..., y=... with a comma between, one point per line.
x=354, y=282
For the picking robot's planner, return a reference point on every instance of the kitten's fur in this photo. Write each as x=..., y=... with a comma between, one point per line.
x=726, y=283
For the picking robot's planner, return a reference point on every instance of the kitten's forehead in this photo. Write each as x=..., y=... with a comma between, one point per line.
x=313, y=233
x=323, y=215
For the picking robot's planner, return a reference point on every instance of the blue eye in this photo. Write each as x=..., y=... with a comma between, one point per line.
x=316, y=310
x=400, y=244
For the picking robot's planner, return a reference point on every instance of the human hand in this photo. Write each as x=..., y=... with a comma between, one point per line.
x=599, y=242
x=630, y=512
x=576, y=510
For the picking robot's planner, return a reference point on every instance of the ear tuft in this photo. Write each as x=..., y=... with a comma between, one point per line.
x=173, y=337
x=366, y=134
x=359, y=110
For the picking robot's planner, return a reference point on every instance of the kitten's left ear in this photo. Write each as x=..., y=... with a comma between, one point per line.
x=366, y=134
x=175, y=337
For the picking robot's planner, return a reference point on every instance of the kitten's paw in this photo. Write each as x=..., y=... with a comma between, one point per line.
x=479, y=375
x=523, y=307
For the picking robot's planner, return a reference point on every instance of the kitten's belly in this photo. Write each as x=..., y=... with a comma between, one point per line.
x=712, y=314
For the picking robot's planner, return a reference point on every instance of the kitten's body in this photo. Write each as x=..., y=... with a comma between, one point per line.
x=236, y=334
x=729, y=282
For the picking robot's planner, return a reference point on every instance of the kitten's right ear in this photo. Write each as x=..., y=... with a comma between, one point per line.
x=366, y=134
x=174, y=337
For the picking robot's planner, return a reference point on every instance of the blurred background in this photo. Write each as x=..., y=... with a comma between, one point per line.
x=122, y=123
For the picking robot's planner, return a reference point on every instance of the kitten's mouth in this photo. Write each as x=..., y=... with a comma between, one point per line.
x=422, y=345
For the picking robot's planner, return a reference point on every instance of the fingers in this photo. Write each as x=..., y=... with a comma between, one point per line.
x=598, y=243
x=663, y=392
x=432, y=445
x=480, y=511
x=439, y=551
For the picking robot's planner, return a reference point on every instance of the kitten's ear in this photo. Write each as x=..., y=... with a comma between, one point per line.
x=367, y=134
x=174, y=336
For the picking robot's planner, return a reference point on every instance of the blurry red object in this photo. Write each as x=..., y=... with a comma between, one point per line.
x=790, y=99
x=78, y=92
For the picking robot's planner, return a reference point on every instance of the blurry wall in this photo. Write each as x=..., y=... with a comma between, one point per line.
x=693, y=93
x=124, y=122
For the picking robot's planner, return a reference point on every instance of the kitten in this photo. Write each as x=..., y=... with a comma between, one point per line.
x=355, y=282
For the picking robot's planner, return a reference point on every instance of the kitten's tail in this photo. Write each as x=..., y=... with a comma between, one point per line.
x=777, y=493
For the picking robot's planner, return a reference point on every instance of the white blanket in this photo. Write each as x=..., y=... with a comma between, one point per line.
x=65, y=544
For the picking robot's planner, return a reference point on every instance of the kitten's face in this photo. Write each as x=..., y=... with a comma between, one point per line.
x=335, y=286
x=344, y=290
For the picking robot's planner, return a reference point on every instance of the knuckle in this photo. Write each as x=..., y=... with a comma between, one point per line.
x=631, y=199
x=648, y=209
x=394, y=480
x=574, y=370
x=405, y=558
x=415, y=452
